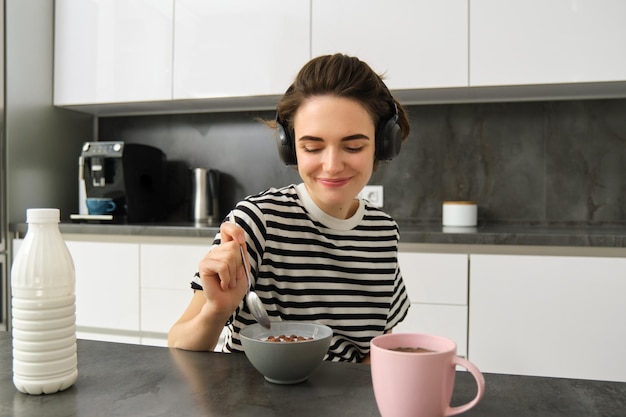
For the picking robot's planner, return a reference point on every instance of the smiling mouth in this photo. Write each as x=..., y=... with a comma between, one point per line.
x=336, y=182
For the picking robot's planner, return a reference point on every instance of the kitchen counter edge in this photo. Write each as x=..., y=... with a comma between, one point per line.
x=609, y=236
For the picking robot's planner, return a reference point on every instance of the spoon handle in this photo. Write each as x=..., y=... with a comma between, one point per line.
x=245, y=267
x=231, y=218
x=254, y=302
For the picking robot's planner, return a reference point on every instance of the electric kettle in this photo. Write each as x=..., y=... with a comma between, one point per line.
x=205, y=209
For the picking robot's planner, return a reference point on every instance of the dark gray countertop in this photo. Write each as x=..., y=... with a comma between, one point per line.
x=609, y=236
x=143, y=229
x=132, y=380
x=612, y=236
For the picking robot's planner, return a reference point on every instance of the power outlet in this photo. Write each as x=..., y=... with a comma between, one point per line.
x=374, y=194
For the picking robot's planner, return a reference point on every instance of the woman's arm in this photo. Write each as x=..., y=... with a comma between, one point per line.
x=224, y=286
x=196, y=329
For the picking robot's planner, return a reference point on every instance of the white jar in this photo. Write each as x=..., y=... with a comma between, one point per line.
x=43, y=308
x=459, y=213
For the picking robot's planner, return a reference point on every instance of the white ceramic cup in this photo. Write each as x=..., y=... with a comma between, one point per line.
x=459, y=213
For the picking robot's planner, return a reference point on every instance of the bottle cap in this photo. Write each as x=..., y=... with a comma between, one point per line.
x=39, y=215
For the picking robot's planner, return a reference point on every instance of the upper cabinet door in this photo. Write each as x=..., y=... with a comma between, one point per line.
x=233, y=48
x=547, y=42
x=111, y=51
x=415, y=43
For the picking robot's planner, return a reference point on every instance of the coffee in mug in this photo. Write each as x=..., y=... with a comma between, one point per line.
x=413, y=375
x=412, y=349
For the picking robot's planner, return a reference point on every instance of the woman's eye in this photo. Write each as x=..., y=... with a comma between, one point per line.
x=311, y=150
x=315, y=149
x=355, y=149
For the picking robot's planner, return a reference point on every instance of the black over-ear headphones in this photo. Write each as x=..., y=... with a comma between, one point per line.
x=388, y=139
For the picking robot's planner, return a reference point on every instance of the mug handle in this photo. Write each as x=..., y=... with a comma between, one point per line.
x=480, y=383
x=111, y=206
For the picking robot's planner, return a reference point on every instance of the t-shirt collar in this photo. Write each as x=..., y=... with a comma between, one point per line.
x=327, y=220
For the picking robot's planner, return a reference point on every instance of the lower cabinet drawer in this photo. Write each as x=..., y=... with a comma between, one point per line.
x=161, y=308
x=108, y=335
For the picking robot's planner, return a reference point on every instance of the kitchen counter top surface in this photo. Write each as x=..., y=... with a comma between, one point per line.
x=608, y=236
x=133, y=380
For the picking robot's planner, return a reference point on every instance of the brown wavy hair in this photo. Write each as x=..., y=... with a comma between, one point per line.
x=341, y=76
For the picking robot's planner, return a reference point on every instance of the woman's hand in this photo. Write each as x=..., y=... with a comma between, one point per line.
x=221, y=271
x=224, y=286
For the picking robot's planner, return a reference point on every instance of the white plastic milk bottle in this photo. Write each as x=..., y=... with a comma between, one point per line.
x=43, y=308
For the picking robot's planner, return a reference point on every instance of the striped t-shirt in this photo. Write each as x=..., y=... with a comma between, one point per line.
x=309, y=266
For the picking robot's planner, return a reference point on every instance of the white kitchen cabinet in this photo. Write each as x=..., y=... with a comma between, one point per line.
x=111, y=51
x=117, y=57
x=417, y=43
x=555, y=316
x=166, y=273
x=437, y=286
x=238, y=48
x=547, y=42
x=107, y=290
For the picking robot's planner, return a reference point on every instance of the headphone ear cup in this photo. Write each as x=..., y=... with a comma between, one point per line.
x=285, y=145
x=388, y=139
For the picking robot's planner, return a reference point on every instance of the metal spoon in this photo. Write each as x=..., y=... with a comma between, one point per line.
x=252, y=299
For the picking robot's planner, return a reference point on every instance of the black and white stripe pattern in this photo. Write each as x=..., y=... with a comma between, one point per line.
x=309, y=266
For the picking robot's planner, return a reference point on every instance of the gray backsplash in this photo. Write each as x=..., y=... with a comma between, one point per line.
x=558, y=162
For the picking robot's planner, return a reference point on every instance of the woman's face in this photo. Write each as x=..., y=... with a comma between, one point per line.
x=334, y=140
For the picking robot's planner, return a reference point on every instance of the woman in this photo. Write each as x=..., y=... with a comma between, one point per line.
x=316, y=251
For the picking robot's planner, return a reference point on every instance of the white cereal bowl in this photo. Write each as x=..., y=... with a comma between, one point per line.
x=286, y=362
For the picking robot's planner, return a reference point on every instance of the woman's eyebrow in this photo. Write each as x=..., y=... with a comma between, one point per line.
x=356, y=136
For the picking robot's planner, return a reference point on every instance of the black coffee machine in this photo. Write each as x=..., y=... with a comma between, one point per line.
x=131, y=174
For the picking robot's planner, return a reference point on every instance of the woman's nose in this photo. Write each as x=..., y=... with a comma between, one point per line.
x=333, y=160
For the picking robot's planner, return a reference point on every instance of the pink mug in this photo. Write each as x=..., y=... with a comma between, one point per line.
x=418, y=384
